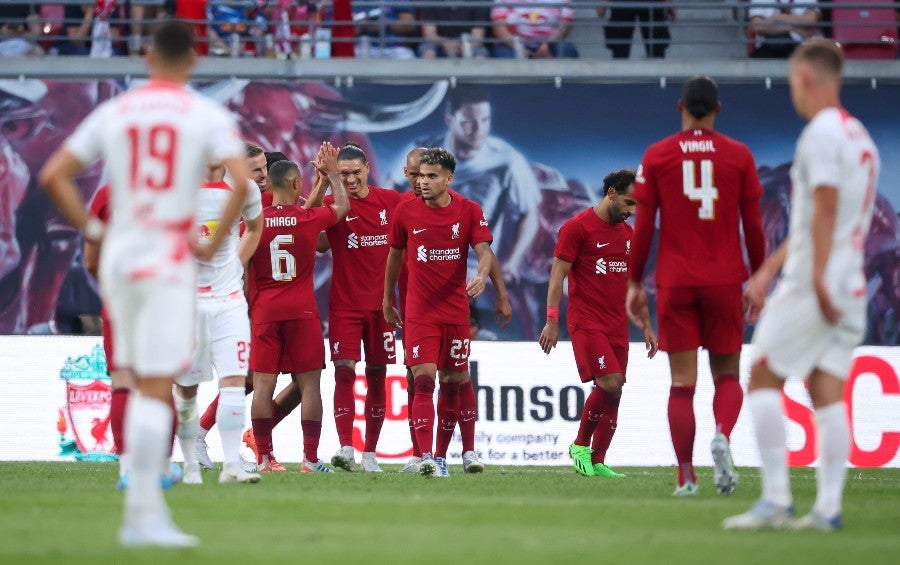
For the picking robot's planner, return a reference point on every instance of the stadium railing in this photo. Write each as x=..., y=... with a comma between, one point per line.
x=702, y=29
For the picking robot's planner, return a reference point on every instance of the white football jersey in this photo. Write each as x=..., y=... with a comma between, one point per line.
x=223, y=274
x=156, y=141
x=834, y=150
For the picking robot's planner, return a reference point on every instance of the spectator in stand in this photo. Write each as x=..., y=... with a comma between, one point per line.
x=654, y=30
x=76, y=29
x=778, y=31
x=540, y=29
x=444, y=29
x=383, y=30
x=17, y=23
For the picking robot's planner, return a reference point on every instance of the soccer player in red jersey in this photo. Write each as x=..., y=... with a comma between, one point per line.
x=287, y=333
x=593, y=251
x=705, y=187
x=436, y=231
x=359, y=247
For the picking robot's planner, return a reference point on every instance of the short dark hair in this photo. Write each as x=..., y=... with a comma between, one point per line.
x=700, y=96
x=462, y=95
x=173, y=42
x=282, y=173
x=351, y=152
x=252, y=150
x=619, y=180
x=824, y=54
x=273, y=157
x=438, y=156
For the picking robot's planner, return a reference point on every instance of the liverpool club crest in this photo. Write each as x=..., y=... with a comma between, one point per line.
x=84, y=423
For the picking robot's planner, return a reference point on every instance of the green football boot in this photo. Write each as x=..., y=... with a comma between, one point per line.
x=601, y=470
x=581, y=459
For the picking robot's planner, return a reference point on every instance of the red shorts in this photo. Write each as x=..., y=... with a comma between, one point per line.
x=596, y=355
x=445, y=345
x=346, y=328
x=290, y=346
x=693, y=316
x=106, y=326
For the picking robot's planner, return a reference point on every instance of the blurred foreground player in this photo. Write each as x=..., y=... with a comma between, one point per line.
x=817, y=314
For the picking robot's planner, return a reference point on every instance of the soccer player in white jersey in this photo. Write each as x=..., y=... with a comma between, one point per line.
x=156, y=140
x=817, y=313
x=223, y=329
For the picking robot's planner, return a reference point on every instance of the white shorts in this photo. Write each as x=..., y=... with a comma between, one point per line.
x=153, y=325
x=793, y=337
x=223, y=340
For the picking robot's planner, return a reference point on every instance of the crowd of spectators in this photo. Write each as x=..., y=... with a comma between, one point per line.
x=398, y=29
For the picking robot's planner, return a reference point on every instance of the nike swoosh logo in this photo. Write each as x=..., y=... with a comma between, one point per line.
x=459, y=363
x=467, y=419
x=419, y=231
x=392, y=356
x=602, y=244
x=351, y=218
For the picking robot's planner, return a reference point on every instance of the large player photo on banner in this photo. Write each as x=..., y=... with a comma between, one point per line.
x=532, y=155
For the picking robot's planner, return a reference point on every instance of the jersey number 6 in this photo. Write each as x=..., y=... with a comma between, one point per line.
x=284, y=266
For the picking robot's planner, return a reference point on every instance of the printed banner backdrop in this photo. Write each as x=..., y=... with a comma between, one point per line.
x=533, y=161
x=529, y=405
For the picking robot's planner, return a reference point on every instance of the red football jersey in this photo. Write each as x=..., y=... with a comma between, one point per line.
x=282, y=266
x=599, y=253
x=704, y=185
x=266, y=198
x=359, y=246
x=436, y=241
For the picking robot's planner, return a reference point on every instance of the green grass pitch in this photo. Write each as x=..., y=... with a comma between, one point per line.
x=69, y=513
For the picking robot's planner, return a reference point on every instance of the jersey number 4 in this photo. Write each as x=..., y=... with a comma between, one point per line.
x=706, y=193
x=153, y=153
x=284, y=266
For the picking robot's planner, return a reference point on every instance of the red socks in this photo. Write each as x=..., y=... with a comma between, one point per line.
x=606, y=429
x=375, y=405
x=593, y=409
x=448, y=414
x=117, y=417
x=208, y=419
x=344, y=404
x=468, y=414
x=727, y=401
x=423, y=412
x=262, y=432
x=683, y=427
x=410, y=395
x=312, y=431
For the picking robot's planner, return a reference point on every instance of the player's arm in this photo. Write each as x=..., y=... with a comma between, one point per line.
x=486, y=259
x=758, y=286
x=317, y=193
x=326, y=164
x=391, y=275
x=250, y=239
x=322, y=244
x=503, y=308
x=825, y=199
x=558, y=273
x=58, y=179
x=636, y=303
x=91, y=258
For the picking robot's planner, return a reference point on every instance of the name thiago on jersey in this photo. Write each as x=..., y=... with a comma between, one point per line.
x=281, y=222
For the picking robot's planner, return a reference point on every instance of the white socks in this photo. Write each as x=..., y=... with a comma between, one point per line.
x=230, y=416
x=834, y=447
x=771, y=438
x=188, y=428
x=147, y=433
